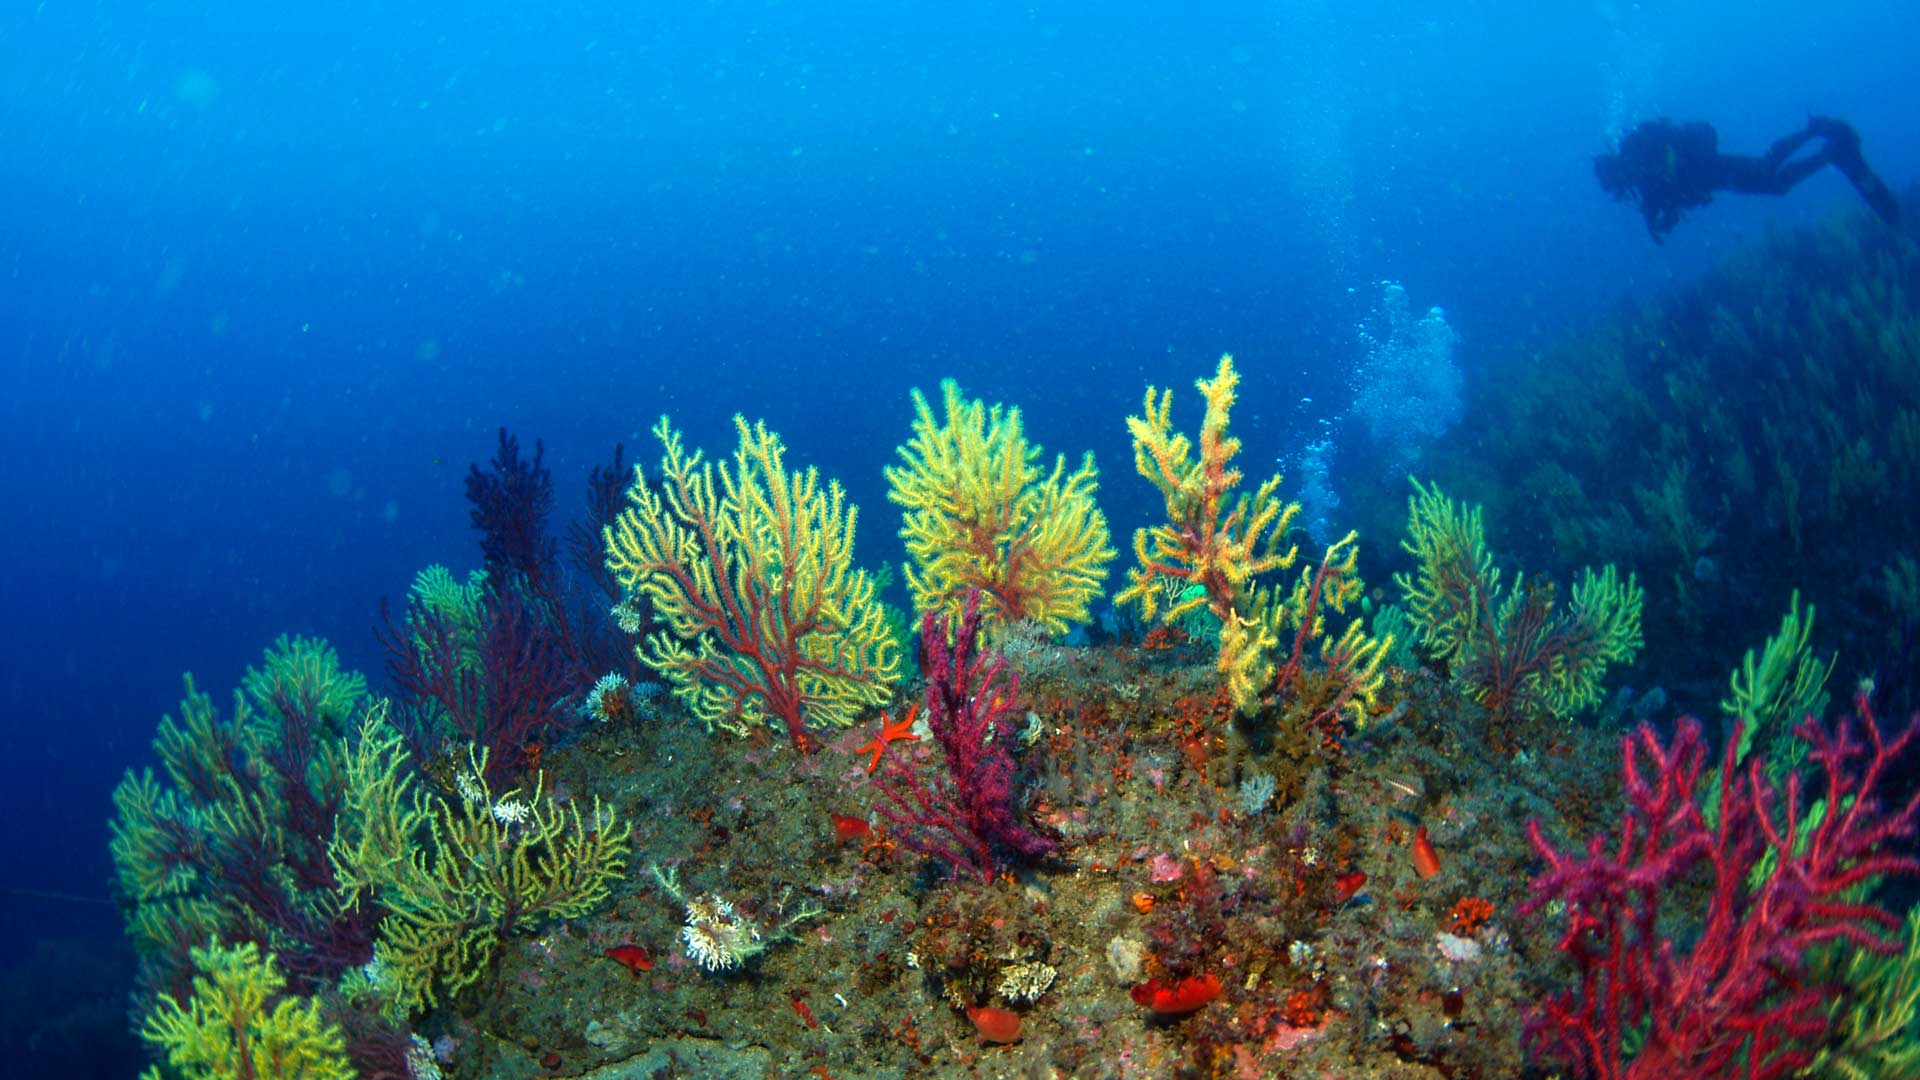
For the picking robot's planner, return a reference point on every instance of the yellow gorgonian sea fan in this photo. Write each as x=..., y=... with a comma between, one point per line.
x=981, y=514
x=749, y=568
x=1214, y=536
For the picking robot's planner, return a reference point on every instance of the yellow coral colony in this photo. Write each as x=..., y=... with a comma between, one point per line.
x=979, y=515
x=1352, y=660
x=1222, y=542
x=751, y=570
x=459, y=874
x=1511, y=646
x=239, y=1021
x=1207, y=540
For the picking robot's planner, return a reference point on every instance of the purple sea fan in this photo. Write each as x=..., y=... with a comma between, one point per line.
x=515, y=696
x=510, y=502
x=968, y=817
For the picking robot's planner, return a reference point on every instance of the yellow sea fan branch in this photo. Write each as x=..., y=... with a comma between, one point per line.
x=979, y=514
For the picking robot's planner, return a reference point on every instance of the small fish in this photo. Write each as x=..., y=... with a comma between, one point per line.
x=850, y=828
x=1426, y=861
x=1179, y=999
x=1347, y=884
x=995, y=1025
x=633, y=956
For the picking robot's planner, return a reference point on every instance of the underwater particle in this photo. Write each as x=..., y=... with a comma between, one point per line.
x=1256, y=791
x=1426, y=861
x=1026, y=981
x=995, y=1025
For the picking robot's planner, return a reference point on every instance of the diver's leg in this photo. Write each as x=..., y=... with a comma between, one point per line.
x=1784, y=147
x=1843, y=149
x=1870, y=186
x=1762, y=175
x=1787, y=176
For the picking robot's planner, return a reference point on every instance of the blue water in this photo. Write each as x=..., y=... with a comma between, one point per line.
x=271, y=278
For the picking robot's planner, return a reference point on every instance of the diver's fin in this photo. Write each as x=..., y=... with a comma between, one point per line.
x=1871, y=188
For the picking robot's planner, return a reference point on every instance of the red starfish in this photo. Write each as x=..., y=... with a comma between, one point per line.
x=890, y=732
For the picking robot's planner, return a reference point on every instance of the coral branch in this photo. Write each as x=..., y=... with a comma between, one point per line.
x=1513, y=647
x=511, y=501
x=489, y=671
x=981, y=513
x=750, y=570
x=967, y=817
x=1211, y=537
x=1738, y=996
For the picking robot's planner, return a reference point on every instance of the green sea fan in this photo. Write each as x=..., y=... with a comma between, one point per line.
x=1875, y=1018
x=239, y=1021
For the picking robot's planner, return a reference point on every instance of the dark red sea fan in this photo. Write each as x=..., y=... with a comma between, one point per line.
x=968, y=817
x=1734, y=997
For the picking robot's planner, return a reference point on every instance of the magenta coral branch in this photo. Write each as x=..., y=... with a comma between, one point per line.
x=515, y=695
x=1737, y=997
x=969, y=702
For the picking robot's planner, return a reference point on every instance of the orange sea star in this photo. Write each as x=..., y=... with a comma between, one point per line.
x=890, y=732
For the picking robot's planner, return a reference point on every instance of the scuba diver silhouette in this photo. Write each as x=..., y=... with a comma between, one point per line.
x=1666, y=168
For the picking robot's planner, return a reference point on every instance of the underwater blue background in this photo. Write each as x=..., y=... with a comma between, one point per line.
x=271, y=277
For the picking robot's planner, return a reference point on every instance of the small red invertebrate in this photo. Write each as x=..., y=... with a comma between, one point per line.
x=1426, y=862
x=1346, y=885
x=633, y=956
x=890, y=732
x=1468, y=914
x=850, y=828
x=1183, y=997
x=995, y=1025
x=1303, y=1007
x=805, y=1012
